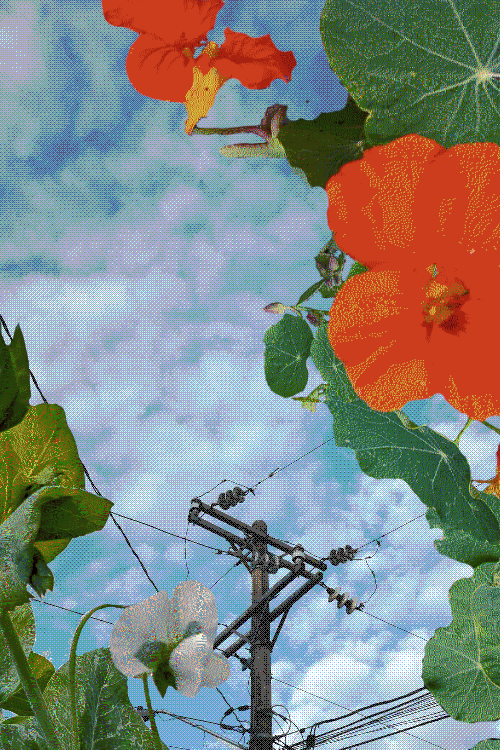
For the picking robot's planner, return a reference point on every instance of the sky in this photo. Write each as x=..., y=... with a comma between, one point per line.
x=137, y=261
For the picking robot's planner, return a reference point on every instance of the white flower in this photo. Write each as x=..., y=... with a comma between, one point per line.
x=177, y=633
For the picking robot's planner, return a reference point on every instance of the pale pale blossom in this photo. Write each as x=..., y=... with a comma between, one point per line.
x=174, y=635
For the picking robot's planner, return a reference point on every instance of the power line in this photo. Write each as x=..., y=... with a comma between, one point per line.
x=411, y=705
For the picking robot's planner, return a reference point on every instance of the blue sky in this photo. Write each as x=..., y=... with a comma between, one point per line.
x=137, y=261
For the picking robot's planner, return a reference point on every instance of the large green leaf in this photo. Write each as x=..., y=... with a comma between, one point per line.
x=461, y=665
x=389, y=446
x=288, y=344
x=321, y=147
x=43, y=503
x=421, y=66
x=15, y=389
x=106, y=718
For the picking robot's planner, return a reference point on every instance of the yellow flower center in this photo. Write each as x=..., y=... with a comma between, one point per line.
x=201, y=95
x=443, y=300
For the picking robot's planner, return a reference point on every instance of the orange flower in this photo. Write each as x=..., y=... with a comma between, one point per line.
x=161, y=63
x=493, y=487
x=425, y=220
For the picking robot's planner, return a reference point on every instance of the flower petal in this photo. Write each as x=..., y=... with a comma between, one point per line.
x=194, y=602
x=254, y=62
x=184, y=23
x=160, y=61
x=371, y=200
x=187, y=664
x=458, y=200
x=201, y=96
x=217, y=671
x=158, y=70
x=149, y=620
x=376, y=329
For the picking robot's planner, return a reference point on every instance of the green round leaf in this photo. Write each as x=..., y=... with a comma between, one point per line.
x=319, y=148
x=288, y=345
x=422, y=67
x=461, y=666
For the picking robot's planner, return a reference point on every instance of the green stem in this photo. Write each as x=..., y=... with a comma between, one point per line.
x=229, y=131
x=154, y=730
x=457, y=439
x=72, y=667
x=29, y=683
x=469, y=420
x=492, y=427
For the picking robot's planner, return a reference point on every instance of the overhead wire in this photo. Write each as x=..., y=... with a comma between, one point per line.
x=271, y=474
x=410, y=706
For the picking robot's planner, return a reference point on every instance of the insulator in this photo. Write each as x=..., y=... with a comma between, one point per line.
x=231, y=498
x=351, y=605
x=224, y=501
x=310, y=740
x=342, y=600
x=342, y=554
x=194, y=510
x=298, y=554
x=333, y=594
x=240, y=494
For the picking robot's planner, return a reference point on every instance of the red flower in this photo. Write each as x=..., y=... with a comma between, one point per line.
x=425, y=220
x=493, y=487
x=161, y=63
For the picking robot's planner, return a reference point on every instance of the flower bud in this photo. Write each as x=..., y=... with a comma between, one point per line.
x=275, y=307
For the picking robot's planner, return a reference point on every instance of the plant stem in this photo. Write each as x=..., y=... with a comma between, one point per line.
x=457, y=439
x=492, y=427
x=255, y=129
x=72, y=667
x=154, y=730
x=29, y=683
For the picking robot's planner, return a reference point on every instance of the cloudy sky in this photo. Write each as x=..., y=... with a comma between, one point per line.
x=137, y=261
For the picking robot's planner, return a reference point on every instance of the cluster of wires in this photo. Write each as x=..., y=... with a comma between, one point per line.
x=365, y=725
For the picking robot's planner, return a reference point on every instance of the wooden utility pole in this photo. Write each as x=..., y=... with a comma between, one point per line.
x=261, y=715
x=260, y=563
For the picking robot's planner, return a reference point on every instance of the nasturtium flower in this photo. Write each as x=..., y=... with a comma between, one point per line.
x=174, y=636
x=161, y=63
x=425, y=221
x=493, y=483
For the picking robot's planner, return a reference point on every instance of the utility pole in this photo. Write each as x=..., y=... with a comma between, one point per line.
x=261, y=713
x=260, y=563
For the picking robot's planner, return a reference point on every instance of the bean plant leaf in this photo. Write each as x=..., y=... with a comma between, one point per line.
x=422, y=67
x=43, y=503
x=15, y=392
x=461, y=662
x=288, y=345
x=106, y=718
x=42, y=670
x=321, y=147
x=23, y=622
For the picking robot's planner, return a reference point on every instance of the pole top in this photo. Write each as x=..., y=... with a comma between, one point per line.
x=260, y=526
